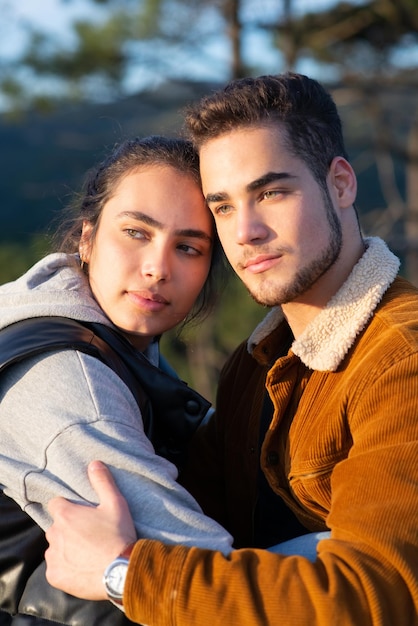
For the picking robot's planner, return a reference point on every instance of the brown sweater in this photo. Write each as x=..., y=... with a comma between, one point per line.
x=342, y=450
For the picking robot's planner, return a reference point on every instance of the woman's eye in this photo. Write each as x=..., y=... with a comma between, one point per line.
x=184, y=247
x=134, y=234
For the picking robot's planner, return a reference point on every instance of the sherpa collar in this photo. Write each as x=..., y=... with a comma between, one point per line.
x=327, y=339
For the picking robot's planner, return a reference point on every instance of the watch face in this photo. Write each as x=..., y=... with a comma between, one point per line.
x=115, y=576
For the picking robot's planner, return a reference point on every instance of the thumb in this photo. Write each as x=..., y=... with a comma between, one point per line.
x=100, y=476
x=113, y=505
x=104, y=485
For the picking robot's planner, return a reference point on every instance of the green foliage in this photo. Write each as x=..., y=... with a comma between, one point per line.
x=154, y=39
x=16, y=258
x=148, y=18
x=198, y=352
x=162, y=38
x=98, y=54
x=358, y=37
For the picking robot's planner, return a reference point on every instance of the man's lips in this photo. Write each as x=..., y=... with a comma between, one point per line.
x=261, y=263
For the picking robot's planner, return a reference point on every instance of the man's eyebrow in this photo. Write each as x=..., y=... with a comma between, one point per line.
x=267, y=179
x=216, y=197
x=264, y=180
x=151, y=221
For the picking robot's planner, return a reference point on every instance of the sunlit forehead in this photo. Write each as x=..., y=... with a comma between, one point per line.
x=244, y=160
x=163, y=199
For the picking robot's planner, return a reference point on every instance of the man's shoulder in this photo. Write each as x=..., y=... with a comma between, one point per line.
x=393, y=329
x=239, y=358
x=401, y=298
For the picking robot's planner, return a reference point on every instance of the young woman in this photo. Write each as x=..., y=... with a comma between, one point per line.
x=139, y=258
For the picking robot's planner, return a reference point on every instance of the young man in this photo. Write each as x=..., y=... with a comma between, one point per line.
x=336, y=434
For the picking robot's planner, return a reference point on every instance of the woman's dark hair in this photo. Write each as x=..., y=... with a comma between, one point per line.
x=100, y=185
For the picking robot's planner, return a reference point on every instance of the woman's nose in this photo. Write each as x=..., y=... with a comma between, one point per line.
x=156, y=265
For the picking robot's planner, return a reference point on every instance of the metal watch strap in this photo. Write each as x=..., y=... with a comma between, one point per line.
x=123, y=556
x=126, y=552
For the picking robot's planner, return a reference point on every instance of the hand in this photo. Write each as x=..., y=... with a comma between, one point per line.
x=83, y=540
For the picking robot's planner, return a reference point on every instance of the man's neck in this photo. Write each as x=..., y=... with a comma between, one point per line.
x=300, y=312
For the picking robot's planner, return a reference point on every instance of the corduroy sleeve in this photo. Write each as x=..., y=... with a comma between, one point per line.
x=178, y=586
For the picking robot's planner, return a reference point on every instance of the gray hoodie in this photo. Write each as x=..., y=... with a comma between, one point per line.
x=60, y=410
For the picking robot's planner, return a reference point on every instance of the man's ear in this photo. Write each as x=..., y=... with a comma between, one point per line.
x=344, y=182
x=86, y=239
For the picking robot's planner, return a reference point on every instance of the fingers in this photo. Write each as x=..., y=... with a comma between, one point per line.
x=112, y=503
x=63, y=514
x=84, y=539
x=102, y=481
x=56, y=505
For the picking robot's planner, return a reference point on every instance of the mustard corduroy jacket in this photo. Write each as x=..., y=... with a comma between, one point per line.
x=342, y=450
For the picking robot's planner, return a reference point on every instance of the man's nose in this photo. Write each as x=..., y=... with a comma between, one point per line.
x=249, y=225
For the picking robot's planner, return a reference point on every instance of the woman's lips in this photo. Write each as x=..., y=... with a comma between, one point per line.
x=148, y=300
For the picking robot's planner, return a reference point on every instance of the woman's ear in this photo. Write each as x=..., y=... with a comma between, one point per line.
x=86, y=239
x=344, y=182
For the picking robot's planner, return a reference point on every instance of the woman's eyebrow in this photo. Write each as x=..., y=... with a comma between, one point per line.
x=141, y=217
x=151, y=221
x=191, y=232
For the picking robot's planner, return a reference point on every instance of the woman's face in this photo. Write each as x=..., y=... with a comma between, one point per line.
x=151, y=253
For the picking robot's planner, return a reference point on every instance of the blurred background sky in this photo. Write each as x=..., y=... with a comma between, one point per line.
x=192, y=40
x=55, y=17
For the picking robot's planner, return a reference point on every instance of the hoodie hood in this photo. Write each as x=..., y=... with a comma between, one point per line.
x=55, y=286
x=327, y=339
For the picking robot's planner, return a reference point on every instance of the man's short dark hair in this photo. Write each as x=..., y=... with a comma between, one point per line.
x=313, y=129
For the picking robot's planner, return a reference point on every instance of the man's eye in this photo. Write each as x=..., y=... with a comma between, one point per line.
x=271, y=193
x=223, y=209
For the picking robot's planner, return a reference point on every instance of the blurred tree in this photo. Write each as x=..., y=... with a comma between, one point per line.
x=125, y=42
x=351, y=37
x=198, y=352
x=371, y=50
x=356, y=46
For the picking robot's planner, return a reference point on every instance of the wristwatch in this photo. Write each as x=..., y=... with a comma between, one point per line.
x=115, y=575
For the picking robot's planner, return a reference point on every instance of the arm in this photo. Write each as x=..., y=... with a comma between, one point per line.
x=84, y=539
x=364, y=574
x=84, y=411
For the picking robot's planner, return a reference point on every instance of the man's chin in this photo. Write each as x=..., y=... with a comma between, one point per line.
x=260, y=297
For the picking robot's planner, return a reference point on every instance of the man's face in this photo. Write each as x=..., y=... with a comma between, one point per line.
x=278, y=227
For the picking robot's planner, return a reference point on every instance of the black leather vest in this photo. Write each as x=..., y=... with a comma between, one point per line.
x=171, y=412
